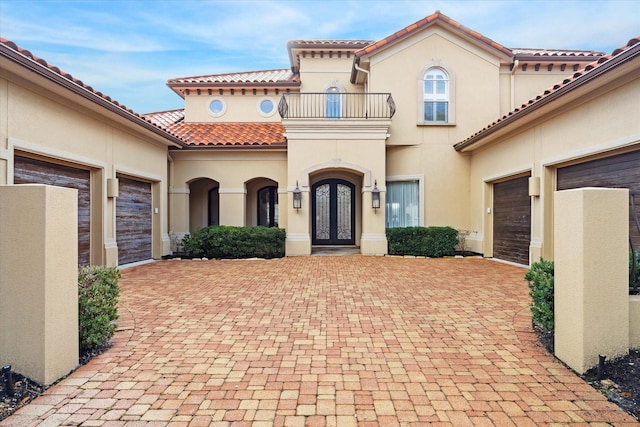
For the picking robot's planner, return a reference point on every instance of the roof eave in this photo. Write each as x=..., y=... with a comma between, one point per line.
x=257, y=146
x=48, y=74
x=239, y=85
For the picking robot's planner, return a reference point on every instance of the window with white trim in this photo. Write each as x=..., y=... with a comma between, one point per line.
x=436, y=96
x=402, y=204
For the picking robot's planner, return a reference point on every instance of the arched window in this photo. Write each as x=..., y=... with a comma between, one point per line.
x=268, y=206
x=334, y=106
x=436, y=96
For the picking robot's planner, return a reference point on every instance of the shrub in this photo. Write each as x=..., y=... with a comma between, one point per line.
x=422, y=241
x=236, y=242
x=98, y=293
x=634, y=276
x=540, y=278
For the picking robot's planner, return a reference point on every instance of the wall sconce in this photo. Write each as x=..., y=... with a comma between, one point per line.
x=297, y=197
x=113, y=187
x=375, y=196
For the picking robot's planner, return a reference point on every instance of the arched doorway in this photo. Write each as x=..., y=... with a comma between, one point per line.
x=204, y=203
x=333, y=210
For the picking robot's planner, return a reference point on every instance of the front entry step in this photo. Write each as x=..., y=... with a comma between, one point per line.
x=334, y=250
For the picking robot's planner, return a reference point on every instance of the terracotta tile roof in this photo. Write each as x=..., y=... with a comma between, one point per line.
x=588, y=54
x=230, y=134
x=166, y=118
x=282, y=76
x=38, y=65
x=592, y=70
x=425, y=22
x=329, y=44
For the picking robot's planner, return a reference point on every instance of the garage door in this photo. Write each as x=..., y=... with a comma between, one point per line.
x=133, y=221
x=512, y=220
x=31, y=171
x=619, y=171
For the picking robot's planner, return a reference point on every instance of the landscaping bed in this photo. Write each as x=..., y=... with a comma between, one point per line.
x=25, y=389
x=620, y=380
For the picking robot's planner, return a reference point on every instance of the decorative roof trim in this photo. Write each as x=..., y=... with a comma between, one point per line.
x=592, y=71
x=42, y=68
x=350, y=46
x=435, y=18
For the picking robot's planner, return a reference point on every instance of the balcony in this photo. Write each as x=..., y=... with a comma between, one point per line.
x=337, y=106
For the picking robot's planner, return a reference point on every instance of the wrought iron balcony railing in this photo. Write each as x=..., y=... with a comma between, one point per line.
x=336, y=106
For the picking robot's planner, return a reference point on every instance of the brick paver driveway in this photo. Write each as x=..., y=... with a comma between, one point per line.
x=323, y=341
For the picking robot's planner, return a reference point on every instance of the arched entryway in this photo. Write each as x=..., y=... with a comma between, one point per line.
x=204, y=203
x=333, y=212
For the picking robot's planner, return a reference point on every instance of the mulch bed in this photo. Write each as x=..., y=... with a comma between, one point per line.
x=25, y=389
x=620, y=378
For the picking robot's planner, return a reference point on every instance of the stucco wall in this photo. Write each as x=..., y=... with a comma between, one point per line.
x=232, y=170
x=239, y=107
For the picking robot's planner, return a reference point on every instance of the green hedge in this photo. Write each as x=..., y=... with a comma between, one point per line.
x=98, y=293
x=422, y=241
x=236, y=242
x=541, y=284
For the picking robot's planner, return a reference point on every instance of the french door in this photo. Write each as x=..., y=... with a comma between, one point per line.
x=333, y=208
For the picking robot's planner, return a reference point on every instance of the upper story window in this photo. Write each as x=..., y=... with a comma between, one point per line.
x=436, y=91
x=266, y=107
x=334, y=102
x=217, y=107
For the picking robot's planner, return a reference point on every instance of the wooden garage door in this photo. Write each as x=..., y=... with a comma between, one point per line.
x=31, y=171
x=512, y=220
x=619, y=171
x=133, y=221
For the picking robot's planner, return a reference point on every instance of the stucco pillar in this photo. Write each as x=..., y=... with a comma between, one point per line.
x=179, y=214
x=232, y=210
x=298, y=241
x=374, y=239
x=591, y=237
x=39, y=280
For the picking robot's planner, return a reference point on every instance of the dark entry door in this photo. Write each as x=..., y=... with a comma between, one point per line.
x=333, y=209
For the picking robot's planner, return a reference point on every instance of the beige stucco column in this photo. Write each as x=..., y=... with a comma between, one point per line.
x=179, y=220
x=232, y=206
x=373, y=240
x=298, y=241
x=591, y=237
x=39, y=280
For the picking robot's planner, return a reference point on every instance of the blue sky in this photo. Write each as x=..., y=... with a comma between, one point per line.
x=129, y=49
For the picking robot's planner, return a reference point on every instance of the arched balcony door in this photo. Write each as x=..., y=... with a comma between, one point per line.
x=333, y=209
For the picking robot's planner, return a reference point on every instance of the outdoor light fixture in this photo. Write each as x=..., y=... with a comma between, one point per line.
x=375, y=196
x=297, y=197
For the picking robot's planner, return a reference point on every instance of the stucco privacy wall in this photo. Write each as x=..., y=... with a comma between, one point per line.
x=75, y=132
x=589, y=122
x=591, y=307
x=38, y=284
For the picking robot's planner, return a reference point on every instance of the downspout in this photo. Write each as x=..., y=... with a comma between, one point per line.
x=366, y=85
x=513, y=84
x=170, y=200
